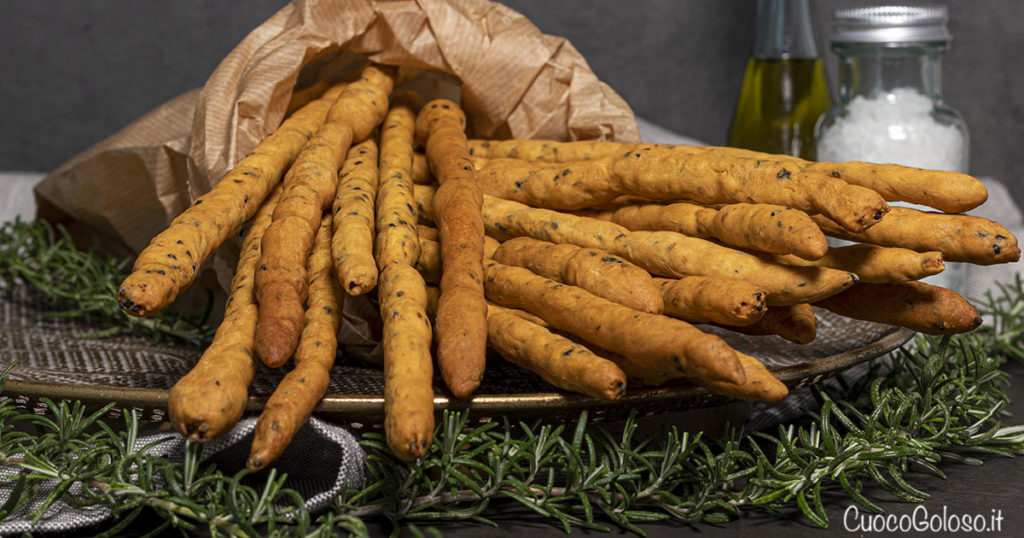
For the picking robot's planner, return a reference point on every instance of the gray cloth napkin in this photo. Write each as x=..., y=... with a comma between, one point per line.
x=321, y=461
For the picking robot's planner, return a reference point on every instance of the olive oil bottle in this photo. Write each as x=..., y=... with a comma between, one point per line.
x=783, y=91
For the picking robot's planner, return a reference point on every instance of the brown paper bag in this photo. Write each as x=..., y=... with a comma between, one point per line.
x=515, y=82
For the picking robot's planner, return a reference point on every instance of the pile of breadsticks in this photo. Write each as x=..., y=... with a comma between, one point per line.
x=586, y=262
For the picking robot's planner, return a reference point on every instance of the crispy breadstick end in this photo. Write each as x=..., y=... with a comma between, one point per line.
x=310, y=186
x=699, y=299
x=662, y=345
x=915, y=305
x=299, y=391
x=352, y=243
x=210, y=399
x=951, y=192
x=960, y=238
x=171, y=261
x=408, y=368
x=796, y=323
x=594, y=270
x=461, y=322
x=875, y=264
x=560, y=361
x=760, y=384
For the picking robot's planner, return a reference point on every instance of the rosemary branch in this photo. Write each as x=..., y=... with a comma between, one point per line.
x=941, y=400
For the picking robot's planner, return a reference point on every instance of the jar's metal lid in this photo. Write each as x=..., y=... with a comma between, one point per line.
x=891, y=24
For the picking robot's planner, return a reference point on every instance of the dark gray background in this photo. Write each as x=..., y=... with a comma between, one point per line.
x=75, y=72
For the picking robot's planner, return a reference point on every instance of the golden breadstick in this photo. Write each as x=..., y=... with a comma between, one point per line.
x=875, y=264
x=396, y=213
x=429, y=262
x=699, y=299
x=299, y=391
x=661, y=253
x=760, y=384
x=461, y=322
x=303, y=97
x=666, y=173
x=951, y=192
x=408, y=370
x=915, y=305
x=594, y=270
x=171, y=261
x=560, y=361
x=665, y=346
x=427, y=232
x=960, y=238
x=796, y=323
x=760, y=227
x=421, y=174
x=210, y=399
x=310, y=186
x=352, y=244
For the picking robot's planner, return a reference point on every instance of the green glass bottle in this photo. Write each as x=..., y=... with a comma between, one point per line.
x=784, y=90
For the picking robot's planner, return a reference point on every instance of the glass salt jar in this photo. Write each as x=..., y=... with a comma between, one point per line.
x=890, y=107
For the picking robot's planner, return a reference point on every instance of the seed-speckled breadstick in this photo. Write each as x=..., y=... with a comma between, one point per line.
x=429, y=262
x=209, y=400
x=396, y=211
x=960, y=238
x=760, y=384
x=408, y=368
x=310, y=186
x=353, y=209
x=951, y=192
x=796, y=323
x=875, y=264
x=915, y=305
x=662, y=173
x=760, y=227
x=171, y=261
x=421, y=174
x=461, y=323
x=663, y=345
x=594, y=270
x=699, y=299
x=661, y=253
x=299, y=391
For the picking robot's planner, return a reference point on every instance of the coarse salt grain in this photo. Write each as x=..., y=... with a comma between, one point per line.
x=896, y=127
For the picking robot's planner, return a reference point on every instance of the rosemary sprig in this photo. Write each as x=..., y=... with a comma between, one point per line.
x=78, y=284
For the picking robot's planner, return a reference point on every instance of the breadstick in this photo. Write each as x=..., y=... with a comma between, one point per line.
x=560, y=361
x=310, y=185
x=170, y=263
x=461, y=323
x=951, y=192
x=668, y=253
x=960, y=238
x=429, y=262
x=875, y=264
x=427, y=232
x=665, y=346
x=408, y=370
x=796, y=323
x=699, y=299
x=421, y=170
x=915, y=305
x=396, y=212
x=760, y=384
x=664, y=173
x=303, y=97
x=210, y=399
x=299, y=391
x=352, y=244
x=594, y=270
x=759, y=227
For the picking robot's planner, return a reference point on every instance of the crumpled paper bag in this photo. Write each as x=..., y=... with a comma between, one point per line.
x=515, y=82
